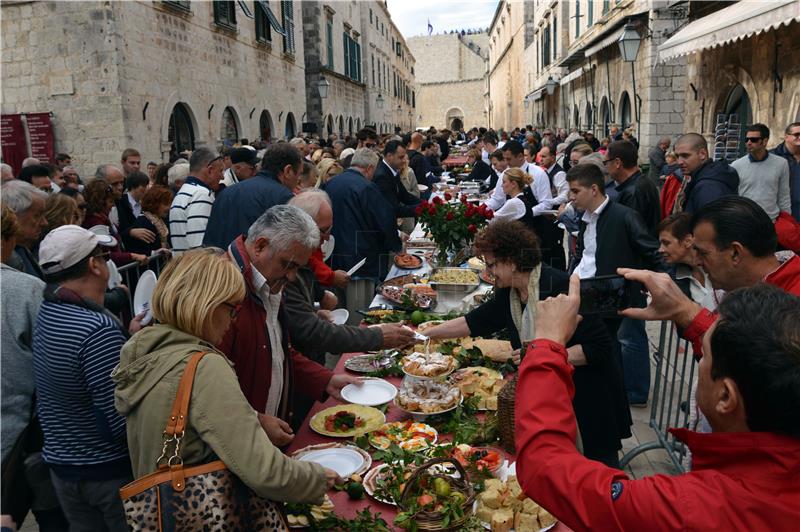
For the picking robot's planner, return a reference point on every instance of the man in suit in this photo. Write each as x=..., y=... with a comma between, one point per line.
x=129, y=207
x=388, y=180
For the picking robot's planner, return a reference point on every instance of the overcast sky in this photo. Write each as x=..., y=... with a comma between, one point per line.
x=411, y=16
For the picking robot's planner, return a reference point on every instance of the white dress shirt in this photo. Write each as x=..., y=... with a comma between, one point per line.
x=587, y=268
x=498, y=197
x=136, y=207
x=513, y=209
x=561, y=186
x=272, y=303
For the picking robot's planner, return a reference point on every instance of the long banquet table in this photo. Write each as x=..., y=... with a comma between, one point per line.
x=344, y=506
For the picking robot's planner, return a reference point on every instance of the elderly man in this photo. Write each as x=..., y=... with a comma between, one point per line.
x=657, y=158
x=190, y=210
x=6, y=172
x=312, y=331
x=244, y=162
x=238, y=207
x=28, y=204
x=270, y=371
x=365, y=229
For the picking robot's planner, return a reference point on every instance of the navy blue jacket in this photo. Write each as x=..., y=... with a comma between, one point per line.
x=402, y=203
x=794, y=177
x=238, y=206
x=711, y=181
x=364, y=225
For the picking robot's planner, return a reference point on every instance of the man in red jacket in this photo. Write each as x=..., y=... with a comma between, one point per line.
x=271, y=373
x=745, y=472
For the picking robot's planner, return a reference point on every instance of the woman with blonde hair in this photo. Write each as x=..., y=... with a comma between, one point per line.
x=60, y=209
x=194, y=302
x=326, y=169
x=515, y=181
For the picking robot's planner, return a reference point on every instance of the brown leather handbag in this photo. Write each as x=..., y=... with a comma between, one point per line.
x=201, y=497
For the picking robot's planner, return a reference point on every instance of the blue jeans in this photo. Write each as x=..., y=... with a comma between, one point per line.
x=635, y=359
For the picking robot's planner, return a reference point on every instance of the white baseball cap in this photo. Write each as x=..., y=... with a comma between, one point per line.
x=67, y=245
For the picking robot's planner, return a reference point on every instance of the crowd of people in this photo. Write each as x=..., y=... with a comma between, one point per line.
x=254, y=242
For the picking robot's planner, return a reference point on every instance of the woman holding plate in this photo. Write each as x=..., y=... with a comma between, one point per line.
x=511, y=253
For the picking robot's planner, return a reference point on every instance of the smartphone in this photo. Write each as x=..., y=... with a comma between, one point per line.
x=608, y=294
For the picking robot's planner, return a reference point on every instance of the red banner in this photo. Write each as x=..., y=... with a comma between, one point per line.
x=12, y=137
x=40, y=131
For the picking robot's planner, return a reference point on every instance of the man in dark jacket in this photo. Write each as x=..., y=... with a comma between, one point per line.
x=418, y=152
x=238, y=206
x=709, y=179
x=365, y=228
x=633, y=190
x=387, y=178
x=789, y=149
x=640, y=194
x=612, y=236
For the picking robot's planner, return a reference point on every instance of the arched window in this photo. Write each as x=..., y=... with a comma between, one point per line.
x=576, y=117
x=625, y=110
x=738, y=104
x=589, y=117
x=341, y=126
x=605, y=117
x=265, y=126
x=329, y=125
x=181, y=131
x=290, y=127
x=229, y=130
x=350, y=126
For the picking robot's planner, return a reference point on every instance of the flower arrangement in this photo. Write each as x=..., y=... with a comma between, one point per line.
x=453, y=224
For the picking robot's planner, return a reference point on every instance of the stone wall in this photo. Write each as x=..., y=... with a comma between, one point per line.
x=438, y=102
x=112, y=72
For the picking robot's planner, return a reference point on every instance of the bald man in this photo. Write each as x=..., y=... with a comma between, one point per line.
x=657, y=157
x=709, y=179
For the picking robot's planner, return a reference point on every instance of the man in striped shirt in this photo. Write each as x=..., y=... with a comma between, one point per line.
x=76, y=345
x=188, y=216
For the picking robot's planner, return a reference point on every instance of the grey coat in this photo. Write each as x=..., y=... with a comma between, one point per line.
x=20, y=299
x=313, y=336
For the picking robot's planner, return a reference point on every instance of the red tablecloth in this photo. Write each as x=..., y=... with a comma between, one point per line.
x=455, y=160
x=345, y=507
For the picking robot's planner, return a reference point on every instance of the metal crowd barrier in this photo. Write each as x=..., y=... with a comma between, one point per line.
x=672, y=388
x=130, y=276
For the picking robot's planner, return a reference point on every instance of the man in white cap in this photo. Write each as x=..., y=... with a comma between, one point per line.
x=76, y=345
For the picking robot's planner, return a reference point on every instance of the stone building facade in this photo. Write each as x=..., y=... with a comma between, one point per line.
x=575, y=47
x=740, y=62
x=343, y=41
x=509, y=35
x=157, y=76
x=451, y=79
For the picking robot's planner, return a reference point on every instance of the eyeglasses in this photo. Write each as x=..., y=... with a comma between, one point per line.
x=753, y=139
x=233, y=310
x=795, y=135
x=606, y=161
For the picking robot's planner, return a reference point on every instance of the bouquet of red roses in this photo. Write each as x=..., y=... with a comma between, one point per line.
x=453, y=224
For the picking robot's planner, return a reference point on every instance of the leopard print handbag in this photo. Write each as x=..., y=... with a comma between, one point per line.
x=204, y=497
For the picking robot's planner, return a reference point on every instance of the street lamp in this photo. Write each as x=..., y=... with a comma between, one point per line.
x=322, y=86
x=379, y=101
x=551, y=85
x=629, y=43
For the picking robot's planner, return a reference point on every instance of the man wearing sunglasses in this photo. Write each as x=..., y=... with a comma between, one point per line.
x=764, y=178
x=789, y=149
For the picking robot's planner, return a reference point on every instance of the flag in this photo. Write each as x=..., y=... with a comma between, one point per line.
x=430, y=28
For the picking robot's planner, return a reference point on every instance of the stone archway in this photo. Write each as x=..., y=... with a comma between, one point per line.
x=290, y=127
x=265, y=127
x=181, y=129
x=624, y=110
x=454, y=118
x=604, y=117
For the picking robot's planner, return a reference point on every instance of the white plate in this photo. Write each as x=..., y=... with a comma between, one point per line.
x=368, y=479
x=371, y=392
x=340, y=316
x=114, y=277
x=327, y=248
x=144, y=293
x=422, y=188
x=344, y=460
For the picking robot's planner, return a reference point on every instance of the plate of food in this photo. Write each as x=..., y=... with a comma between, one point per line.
x=347, y=420
x=370, y=392
x=406, y=261
x=383, y=315
x=301, y=515
x=495, y=350
x=487, y=277
x=482, y=383
x=427, y=398
x=504, y=506
x=382, y=482
x=345, y=459
x=369, y=363
x=479, y=458
x=408, y=435
x=428, y=365
x=410, y=296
